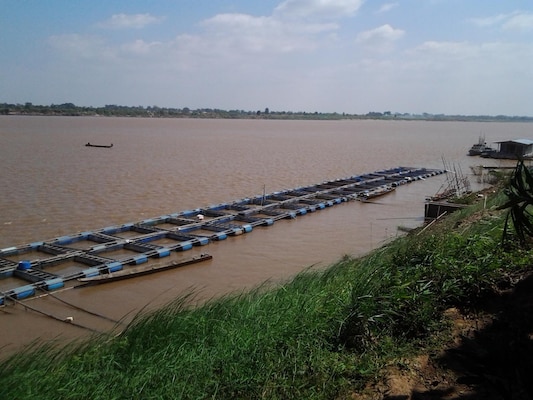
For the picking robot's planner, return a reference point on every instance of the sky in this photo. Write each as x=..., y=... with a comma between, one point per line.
x=467, y=57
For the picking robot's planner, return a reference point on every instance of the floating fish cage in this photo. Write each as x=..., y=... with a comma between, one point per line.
x=48, y=265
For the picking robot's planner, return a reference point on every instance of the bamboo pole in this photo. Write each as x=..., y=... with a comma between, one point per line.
x=432, y=222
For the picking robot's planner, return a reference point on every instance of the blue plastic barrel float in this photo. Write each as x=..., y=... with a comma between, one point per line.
x=24, y=265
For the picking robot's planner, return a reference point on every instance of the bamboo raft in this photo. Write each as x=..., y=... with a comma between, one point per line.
x=89, y=254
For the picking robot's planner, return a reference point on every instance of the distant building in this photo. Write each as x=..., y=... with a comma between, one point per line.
x=514, y=149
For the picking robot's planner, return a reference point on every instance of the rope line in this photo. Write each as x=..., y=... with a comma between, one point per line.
x=83, y=309
x=65, y=320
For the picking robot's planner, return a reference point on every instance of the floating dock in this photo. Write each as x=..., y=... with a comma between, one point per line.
x=49, y=264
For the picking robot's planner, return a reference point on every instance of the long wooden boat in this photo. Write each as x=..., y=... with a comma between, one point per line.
x=107, y=146
x=133, y=272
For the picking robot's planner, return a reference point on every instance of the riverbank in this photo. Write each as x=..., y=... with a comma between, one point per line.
x=350, y=331
x=72, y=110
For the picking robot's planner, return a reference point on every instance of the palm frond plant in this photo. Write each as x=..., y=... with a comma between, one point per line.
x=519, y=203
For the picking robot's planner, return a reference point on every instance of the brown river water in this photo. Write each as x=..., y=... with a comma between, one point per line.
x=52, y=185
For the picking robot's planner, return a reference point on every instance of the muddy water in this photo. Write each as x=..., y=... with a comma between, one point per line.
x=52, y=185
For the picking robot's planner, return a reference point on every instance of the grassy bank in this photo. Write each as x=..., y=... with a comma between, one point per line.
x=321, y=336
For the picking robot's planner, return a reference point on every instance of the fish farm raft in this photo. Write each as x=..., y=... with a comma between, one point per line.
x=89, y=254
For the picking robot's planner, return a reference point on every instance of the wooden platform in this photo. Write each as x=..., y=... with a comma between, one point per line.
x=435, y=209
x=114, y=248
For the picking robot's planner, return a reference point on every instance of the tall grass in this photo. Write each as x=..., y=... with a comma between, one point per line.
x=315, y=337
x=269, y=343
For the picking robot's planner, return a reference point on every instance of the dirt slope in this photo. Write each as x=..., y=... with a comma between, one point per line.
x=490, y=356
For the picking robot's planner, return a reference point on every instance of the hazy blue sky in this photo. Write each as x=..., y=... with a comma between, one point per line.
x=354, y=56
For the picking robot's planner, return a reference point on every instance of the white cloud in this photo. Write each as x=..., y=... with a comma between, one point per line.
x=263, y=34
x=129, y=21
x=85, y=47
x=224, y=38
x=520, y=22
x=515, y=21
x=449, y=77
x=318, y=8
x=456, y=49
x=489, y=21
x=484, y=65
x=140, y=47
x=387, y=7
x=380, y=38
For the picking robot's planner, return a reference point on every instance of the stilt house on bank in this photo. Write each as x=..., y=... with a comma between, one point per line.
x=514, y=149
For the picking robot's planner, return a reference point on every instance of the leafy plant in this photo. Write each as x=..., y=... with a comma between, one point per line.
x=520, y=200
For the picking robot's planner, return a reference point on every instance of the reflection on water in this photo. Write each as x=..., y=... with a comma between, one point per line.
x=54, y=185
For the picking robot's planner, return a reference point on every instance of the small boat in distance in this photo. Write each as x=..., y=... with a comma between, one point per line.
x=480, y=148
x=107, y=146
x=133, y=272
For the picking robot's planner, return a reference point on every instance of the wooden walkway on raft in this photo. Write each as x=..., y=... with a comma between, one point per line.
x=88, y=254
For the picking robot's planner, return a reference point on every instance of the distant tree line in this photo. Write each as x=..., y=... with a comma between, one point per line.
x=112, y=110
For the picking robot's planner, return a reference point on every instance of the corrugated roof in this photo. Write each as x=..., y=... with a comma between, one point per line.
x=526, y=142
